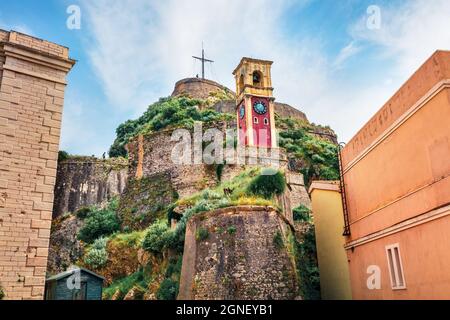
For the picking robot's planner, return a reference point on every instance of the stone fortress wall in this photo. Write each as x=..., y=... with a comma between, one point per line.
x=87, y=181
x=150, y=155
x=32, y=85
x=244, y=256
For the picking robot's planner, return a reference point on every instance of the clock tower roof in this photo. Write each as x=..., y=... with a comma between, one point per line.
x=251, y=60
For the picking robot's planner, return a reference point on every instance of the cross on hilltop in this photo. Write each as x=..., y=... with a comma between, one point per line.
x=203, y=60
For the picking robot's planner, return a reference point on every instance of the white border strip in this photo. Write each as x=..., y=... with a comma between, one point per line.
x=407, y=224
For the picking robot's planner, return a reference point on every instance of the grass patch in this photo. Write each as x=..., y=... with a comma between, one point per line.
x=124, y=285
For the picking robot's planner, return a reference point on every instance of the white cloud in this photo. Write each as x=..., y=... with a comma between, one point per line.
x=410, y=33
x=346, y=53
x=78, y=132
x=140, y=48
x=408, y=36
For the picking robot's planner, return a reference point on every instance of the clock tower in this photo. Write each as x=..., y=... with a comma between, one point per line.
x=255, y=103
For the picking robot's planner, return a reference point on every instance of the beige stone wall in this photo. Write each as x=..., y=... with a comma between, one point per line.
x=32, y=85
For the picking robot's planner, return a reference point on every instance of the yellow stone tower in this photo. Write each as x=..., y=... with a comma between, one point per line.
x=255, y=103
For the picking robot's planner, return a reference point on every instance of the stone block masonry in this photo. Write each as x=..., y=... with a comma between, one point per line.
x=32, y=84
x=238, y=253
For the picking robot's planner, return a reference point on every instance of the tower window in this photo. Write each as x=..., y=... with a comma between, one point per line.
x=266, y=121
x=257, y=78
x=255, y=120
x=395, y=267
x=241, y=82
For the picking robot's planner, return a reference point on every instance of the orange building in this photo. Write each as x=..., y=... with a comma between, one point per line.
x=396, y=172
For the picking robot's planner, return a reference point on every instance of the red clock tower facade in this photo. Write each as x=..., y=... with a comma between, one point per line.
x=255, y=103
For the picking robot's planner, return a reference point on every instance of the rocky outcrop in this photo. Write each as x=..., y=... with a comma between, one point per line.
x=86, y=181
x=238, y=253
x=65, y=249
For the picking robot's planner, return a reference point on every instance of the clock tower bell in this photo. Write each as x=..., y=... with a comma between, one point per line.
x=255, y=103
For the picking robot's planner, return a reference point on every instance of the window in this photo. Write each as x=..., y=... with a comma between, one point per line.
x=266, y=121
x=257, y=81
x=395, y=267
x=255, y=120
x=241, y=83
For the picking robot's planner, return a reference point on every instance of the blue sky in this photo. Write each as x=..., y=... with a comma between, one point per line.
x=327, y=62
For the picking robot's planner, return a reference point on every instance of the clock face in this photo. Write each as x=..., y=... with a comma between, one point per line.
x=242, y=112
x=260, y=107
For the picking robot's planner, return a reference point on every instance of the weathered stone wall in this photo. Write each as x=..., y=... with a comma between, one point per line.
x=150, y=156
x=32, y=89
x=156, y=159
x=197, y=88
x=245, y=256
x=86, y=181
x=296, y=190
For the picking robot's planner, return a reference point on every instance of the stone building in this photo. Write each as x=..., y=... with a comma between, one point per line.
x=32, y=85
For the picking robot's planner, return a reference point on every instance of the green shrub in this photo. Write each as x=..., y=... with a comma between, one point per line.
x=129, y=239
x=83, y=212
x=167, y=112
x=301, y=213
x=318, y=156
x=278, y=240
x=100, y=243
x=231, y=230
x=63, y=155
x=307, y=265
x=2, y=293
x=174, y=267
x=157, y=238
x=201, y=234
x=99, y=223
x=267, y=184
x=97, y=256
x=219, y=171
x=168, y=290
x=209, y=194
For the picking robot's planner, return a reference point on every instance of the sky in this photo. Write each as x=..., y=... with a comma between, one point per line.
x=337, y=61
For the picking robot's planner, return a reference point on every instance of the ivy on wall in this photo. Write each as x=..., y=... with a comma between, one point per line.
x=318, y=156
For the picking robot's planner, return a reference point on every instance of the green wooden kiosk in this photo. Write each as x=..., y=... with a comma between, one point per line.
x=74, y=284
